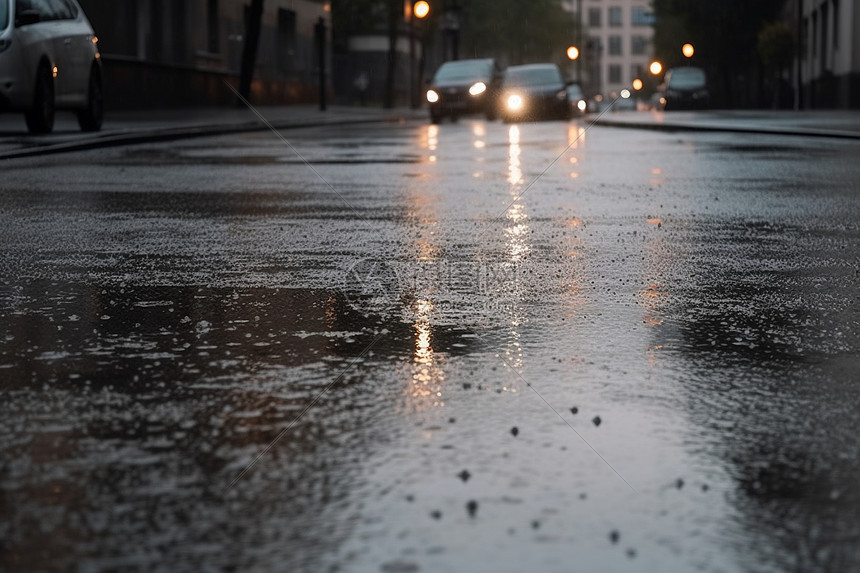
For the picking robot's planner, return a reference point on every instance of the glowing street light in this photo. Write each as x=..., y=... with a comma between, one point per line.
x=688, y=50
x=421, y=9
x=572, y=53
x=655, y=68
x=637, y=84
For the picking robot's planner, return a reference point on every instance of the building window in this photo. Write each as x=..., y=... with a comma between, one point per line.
x=614, y=45
x=824, y=21
x=212, y=31
x=804, y=38
x=641, y=17
x=615, y=17
x=286, y=40
x=815, y=34
x=638, y=45
x=614, y=74
x=594, y=18
x=836, y=19
x=637, y=71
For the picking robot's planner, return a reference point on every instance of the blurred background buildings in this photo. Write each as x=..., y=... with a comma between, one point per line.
x=798, y=54
x=161, y=53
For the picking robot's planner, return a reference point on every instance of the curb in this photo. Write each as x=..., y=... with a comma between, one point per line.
x=172, y=134
x=673, y=127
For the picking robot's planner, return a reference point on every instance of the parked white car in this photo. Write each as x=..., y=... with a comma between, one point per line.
x=49, y=60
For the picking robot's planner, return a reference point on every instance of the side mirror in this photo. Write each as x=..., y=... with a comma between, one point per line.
x=26, y=17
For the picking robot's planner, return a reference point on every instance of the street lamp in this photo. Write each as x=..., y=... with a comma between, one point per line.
x=572, y=53
x=655, y=68
x=637, y=84
x=688, y=50
x=421, y=9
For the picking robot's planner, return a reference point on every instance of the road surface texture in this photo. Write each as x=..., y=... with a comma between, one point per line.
x=467, y=347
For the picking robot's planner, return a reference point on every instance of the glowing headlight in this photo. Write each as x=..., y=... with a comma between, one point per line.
x=515, y=102
x=432, y=96
x=581, y=105
x=478, y=88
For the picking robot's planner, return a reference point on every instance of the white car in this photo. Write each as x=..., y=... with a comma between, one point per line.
x=49, y=59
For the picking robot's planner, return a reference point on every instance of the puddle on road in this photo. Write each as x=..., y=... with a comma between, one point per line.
x=128, y=410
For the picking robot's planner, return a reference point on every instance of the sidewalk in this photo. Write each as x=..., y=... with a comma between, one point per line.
x=841, y=123
x=130, y=127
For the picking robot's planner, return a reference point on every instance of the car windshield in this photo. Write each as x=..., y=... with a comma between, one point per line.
x=686, y=78
x=532, y=76
x=463, y=70
x=4, y=14
x=574, y=91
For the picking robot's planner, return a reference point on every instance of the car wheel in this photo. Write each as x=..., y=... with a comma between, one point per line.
x=40, y=118
x=90, y=119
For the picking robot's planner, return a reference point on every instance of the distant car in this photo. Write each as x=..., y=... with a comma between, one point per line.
x=49, y=60
x=532, y=92
x=578, y=103
x=686, y=88
x=621, y=103
x=464, y=87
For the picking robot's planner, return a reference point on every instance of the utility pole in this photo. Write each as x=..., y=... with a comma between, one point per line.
x=249, y=50
x=320, y=37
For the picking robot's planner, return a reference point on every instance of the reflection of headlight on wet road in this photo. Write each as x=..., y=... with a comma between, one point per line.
x=515, y=102
x=432, y=96
x=478, y=88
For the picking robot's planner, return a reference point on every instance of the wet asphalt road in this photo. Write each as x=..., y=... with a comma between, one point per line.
x=471, y=347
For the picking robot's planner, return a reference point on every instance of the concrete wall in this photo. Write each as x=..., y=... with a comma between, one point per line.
x=162, y=53
x=830, y=65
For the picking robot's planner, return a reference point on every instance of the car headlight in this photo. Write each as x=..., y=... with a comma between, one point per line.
x=581, y=104
x=478, y=88
x=561, y=96
x=515, y=102
x=432, y=96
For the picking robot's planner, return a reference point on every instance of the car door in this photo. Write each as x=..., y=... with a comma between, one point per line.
x=77, y=49
x=39, y=32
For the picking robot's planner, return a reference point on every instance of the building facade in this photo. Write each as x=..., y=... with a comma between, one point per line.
x=618, y=42
x=161, y=53
x=827, y=67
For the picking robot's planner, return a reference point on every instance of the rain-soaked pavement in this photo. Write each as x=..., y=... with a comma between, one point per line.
x=441, y=348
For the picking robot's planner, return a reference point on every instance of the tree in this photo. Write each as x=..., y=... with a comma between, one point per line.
x=725, y=34
x=515, y=31
x=776, y=51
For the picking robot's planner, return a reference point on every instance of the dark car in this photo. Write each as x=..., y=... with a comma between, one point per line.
x=576, y=98
x=464, y=87
x=686, y=88
x=532, y=92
